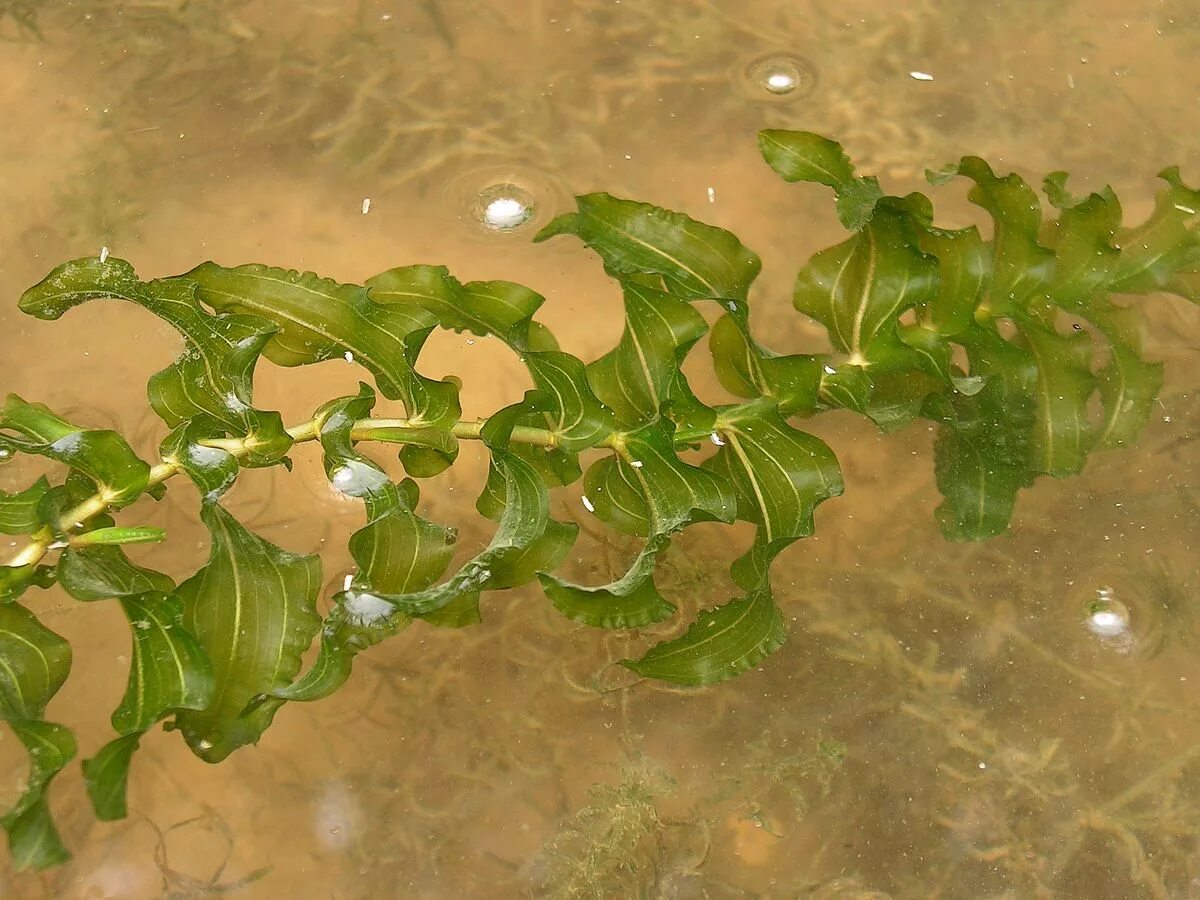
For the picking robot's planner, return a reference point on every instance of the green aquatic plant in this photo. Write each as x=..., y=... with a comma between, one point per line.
x=1010, y=344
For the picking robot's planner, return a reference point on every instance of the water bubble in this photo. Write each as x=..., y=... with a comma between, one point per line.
x=1105, y=616
x=779, y=76
x=503, y=207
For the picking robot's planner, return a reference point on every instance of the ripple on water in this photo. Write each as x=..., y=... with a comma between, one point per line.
x=497, y=201
x=776, y=77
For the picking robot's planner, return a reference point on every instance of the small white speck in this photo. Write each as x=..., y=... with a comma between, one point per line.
x=712, y=195
x=366, y=205
x=347, y=581
x=627, y=156
x=1186, y=209
x=983, y=765
x=920, y=76
x=348, y=356
x=587, y=504
x=636, y=463
x=830, y=370
x=1070, y=81
x=103, y=255
x=716, y=439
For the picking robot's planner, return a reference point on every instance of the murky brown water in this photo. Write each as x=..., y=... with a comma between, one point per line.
x=940, y=722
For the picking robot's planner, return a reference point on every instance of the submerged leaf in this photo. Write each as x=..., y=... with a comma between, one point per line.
x=252, y=607
x=19, y=511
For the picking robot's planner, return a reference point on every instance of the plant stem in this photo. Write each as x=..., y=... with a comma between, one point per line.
x=363, y=429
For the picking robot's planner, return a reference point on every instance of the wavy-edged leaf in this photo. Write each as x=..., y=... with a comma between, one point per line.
x=804, y=156
x=33, y=841
x=984, y=445
x=1021, y=266
x=104, y=456
x=720, y=644
x=107, y=775
x=578, y=419
x=486, y=308
x=34, y=662
x=859, y=288
x=318, y=318
x=644, y=489
x=780, y=474
x=252, y=607
x=635, y=378
x=211, y=469
x=695, y=261
x=104, y=572
x=1128, y=384
x=213, y=376
x=1163, y=253
x=1063, y=435
x=964, y=265
x=19, y=511
x=1083, y=239
x=748, y=369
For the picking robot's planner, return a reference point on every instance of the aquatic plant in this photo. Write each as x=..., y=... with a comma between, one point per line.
x=1010, y=344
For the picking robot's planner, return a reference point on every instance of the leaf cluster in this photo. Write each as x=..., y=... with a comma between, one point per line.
x=1005, y=342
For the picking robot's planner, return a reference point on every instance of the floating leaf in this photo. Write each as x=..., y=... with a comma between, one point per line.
x=211, y=469
x=578, y=419
x=1163, y=253
x=804, y=156
x=252, y=607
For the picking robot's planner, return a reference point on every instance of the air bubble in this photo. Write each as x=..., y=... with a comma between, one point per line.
x=779, y=76
x=503, y=207
x=1105, y=616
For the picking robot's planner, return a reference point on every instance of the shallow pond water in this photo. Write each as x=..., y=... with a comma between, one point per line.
x=946, y=720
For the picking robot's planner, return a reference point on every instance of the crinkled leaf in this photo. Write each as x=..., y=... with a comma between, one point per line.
x=1128, y=384
x=1021, y=266
x=1163, y=253
x=496, y=308
x=18, y=512
x=578, y=419
x=252, y=607
x=169, y=669
x=318, y=318
x=211, y=469
x=102, y=455
x=34, y=662
x=103, y=572
x=984, y=444
x=635, y=378
x=107, y=774
x=964, y=272
x=33, y=841
x=858, y=289
x=780, y=474
x=1083, y=241
x=631, y=601
x=695, y=261
x=748, y=369
x=213, y=376
x=1062, y=435
x=722, y=643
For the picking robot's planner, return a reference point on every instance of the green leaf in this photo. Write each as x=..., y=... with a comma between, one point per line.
x=213, y=376
x=319, y=318
x=858, y=290
x=578, y=419
x=211, y=469
x=984, y=446
x=33, y=841
x=486, y=308
x=1021, y=266
x=252, y=607
x=964, y=273
x=722, y=643
x=103, y=572
x=748, y=369
x=780, y=474
x=1063, y=435
x=804, y=156
x=1083, y=242
x=695, y=261
x=1163, y=253
x=107, y=774
x=103, y=456
x=631, y=601
x=1128, y=384
x=34, y=662
x=635, y=378
x=18, y=512
x=169, y=670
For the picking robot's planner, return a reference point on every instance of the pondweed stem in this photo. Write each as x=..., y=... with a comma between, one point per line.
x=364, y=429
